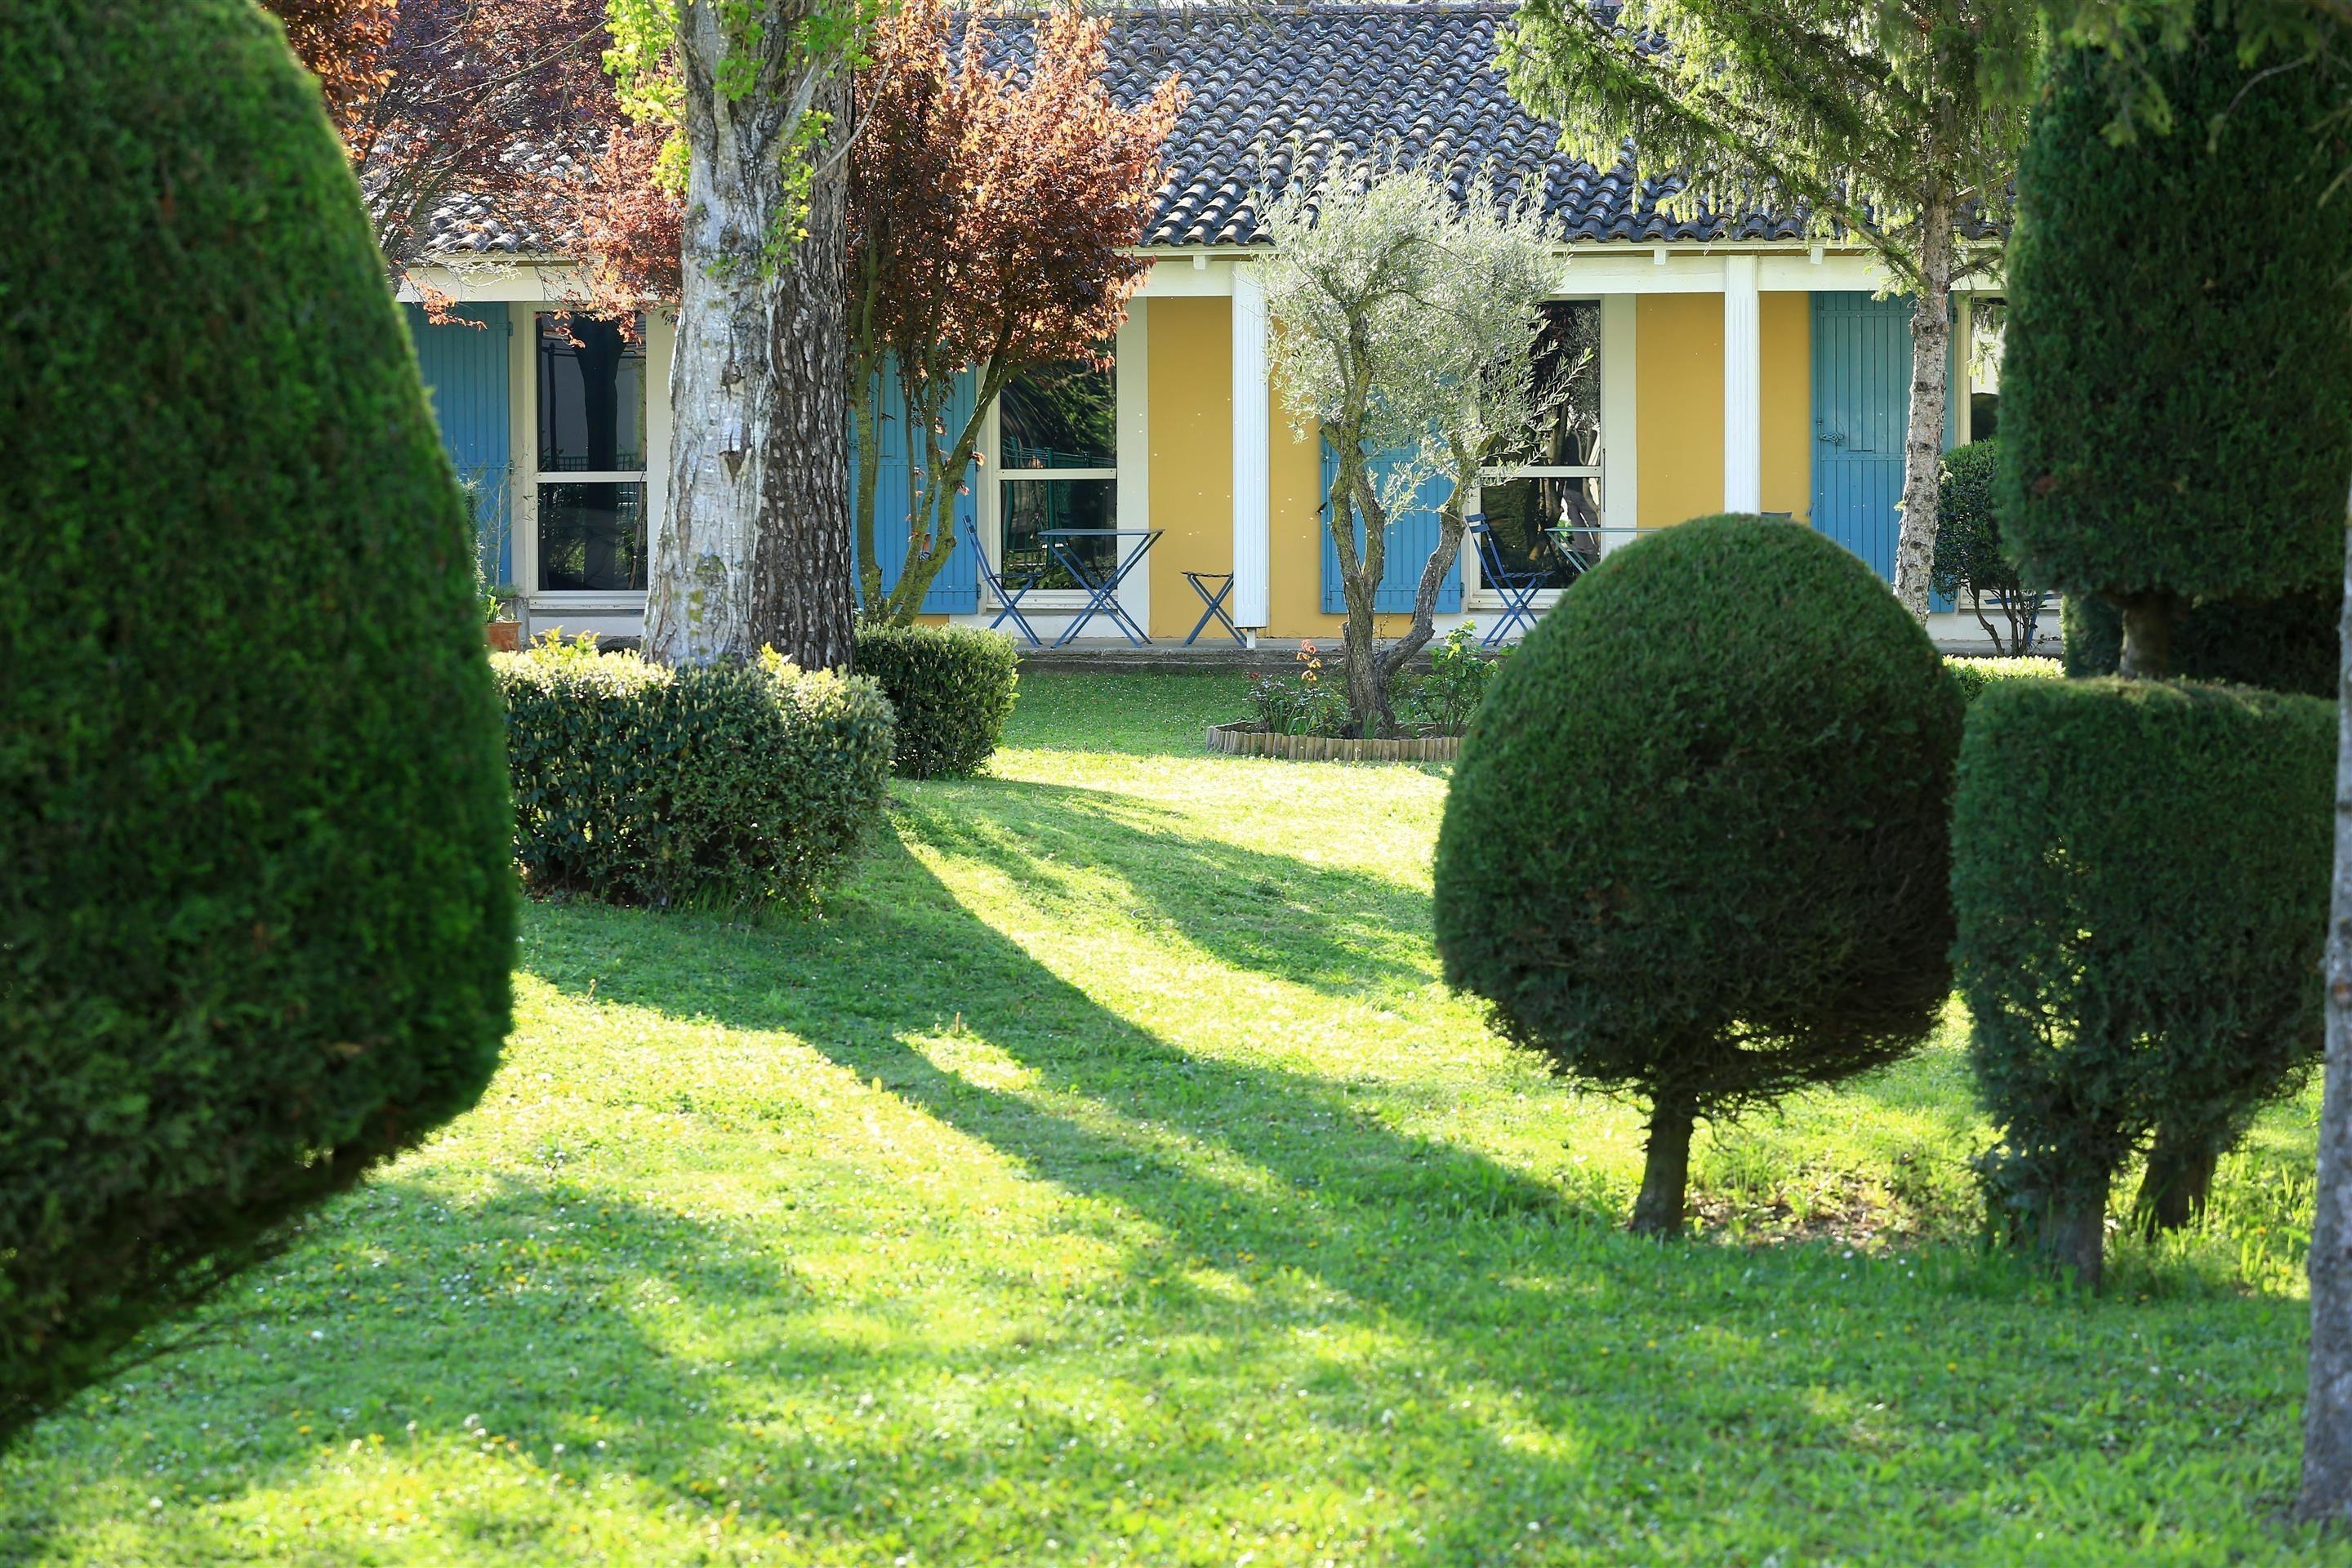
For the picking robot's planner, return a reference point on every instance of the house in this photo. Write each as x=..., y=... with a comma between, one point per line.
x=1740, y=365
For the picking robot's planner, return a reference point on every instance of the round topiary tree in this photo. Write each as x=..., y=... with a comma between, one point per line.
x=1970, y=559
x=1696, y=847
x=259, y=910
x=2168, y=431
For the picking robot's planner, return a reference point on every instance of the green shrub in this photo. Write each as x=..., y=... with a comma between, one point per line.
x=643, y=784
x=2140, y=880
x=257, y=910
x=2169, y=433
x=1695, y=847
x=1970, y=560
x=1976, y=676
x=952, y=689
x=1441, y=698
x=2285, y=645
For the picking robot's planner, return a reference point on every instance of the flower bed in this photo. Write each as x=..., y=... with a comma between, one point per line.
x=1250, y=739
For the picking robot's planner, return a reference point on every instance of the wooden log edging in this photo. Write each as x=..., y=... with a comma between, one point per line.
x=1248, y=739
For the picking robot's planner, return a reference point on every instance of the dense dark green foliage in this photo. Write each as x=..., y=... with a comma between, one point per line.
x=643, y=784
x=2170, y=424
x=258, y=912
x=1970, y=557
x=2284, y=644
x=2140, y=881
x=1695, y=845
x=951, y=688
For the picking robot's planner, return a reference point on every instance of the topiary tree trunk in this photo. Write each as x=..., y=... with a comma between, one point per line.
x=1666, y=1169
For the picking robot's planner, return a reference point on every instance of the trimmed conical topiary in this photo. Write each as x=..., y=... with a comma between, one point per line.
x=2176, y=419
x=1694, y=848
x=258, y=912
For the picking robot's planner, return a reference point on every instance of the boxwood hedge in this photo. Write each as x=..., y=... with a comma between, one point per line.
x=1696, y=843
x=257, y=910
x=951, y=688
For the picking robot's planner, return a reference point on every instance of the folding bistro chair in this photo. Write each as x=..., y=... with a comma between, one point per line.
x=1009, y=597
x=1216, y=602
x=1519, y=589
x=1102, y=593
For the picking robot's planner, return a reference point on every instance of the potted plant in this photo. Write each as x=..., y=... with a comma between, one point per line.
x=500, y=624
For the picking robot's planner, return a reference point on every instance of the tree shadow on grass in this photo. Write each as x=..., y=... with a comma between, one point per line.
x=1335, y=930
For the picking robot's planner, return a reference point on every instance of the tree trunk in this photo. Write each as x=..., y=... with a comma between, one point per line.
x=1923, y=443
x=2327, y=1408
x=1666, y=1169
x=1451, y=524
x=2178, y=1180
x=2147, y=637
x=699, y=599
x=1359, y=574
x=803, y=599
x=2074, y=1233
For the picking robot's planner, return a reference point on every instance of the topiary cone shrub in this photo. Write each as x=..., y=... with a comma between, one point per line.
x=1696, y=844
x=258, y=908
x=2169, y=434
x=2140, y=878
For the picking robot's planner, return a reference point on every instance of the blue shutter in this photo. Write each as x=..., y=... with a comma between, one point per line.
x=956, y=590
x=1412, y=533
x=465, y=371
x=1862, y=408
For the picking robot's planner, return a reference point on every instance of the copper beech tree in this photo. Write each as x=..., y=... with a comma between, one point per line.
x=993, y=217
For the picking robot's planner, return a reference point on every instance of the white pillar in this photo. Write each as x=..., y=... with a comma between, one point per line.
x=1743, y=387
x=1253, y=426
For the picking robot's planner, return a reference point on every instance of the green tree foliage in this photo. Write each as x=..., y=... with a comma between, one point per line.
x=1894, y=120
x=2169, y=430
x=1694, y=848
x=259, y=913
x=1970, y=560
x=951, y=688
x=2140, y=875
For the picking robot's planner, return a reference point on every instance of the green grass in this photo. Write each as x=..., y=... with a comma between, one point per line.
x=1105, y=1178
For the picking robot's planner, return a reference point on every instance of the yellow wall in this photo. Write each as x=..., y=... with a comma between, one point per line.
x=1295, y=527
x=1678, y=406
x=1785, y=329
x=1192, y=402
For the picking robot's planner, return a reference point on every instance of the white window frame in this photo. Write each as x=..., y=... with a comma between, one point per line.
x=1475, y=594
x=524, y=374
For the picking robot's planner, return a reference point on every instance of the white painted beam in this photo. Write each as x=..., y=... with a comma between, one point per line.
x=1253, y=437
x=1743, y=387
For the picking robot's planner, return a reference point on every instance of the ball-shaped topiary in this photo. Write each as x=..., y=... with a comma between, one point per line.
x=258, y=910
x=1695, y=847
x=2169, y=433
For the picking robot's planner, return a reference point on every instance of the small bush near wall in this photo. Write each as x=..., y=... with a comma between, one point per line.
x=952, y=689
x=643, y=784
x=2140, y=878
x=1975, y=676
x=1695, y=846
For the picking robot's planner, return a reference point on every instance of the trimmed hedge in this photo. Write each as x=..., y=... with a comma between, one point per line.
x=1695, y=847
x=643, y=784
x=1975, y=677
x=2285, y=645
x=257, y=910
x=2140, y=878
x=2167, y=425
x=952, y=689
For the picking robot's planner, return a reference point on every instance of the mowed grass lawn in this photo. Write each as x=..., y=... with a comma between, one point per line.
x=1106, y=1178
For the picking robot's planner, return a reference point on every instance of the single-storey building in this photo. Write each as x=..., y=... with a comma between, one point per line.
x=1741, y=366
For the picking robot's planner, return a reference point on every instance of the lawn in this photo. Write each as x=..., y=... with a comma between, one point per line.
x=1106, y=1178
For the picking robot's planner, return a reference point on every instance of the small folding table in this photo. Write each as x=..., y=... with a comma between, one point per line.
x=1102, y=593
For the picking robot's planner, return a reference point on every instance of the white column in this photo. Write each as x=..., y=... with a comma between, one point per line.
x=1253, y=433
x=1134, y=383
x=1743, y=387
x=1620, y=502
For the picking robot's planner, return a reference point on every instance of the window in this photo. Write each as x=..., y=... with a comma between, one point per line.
x=1544, y=506
x=592, y=456
x=1057, y=435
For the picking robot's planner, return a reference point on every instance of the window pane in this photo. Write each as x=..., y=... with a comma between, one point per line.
x=1552, y=526
x=1061, y=416
x=591, y=537
x=1568, y=369
x=592, y=399
x=1029, y=507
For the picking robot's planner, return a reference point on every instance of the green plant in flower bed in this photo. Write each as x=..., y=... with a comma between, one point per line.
x=1441, y=699
x=951, y=689
x=1301, y=704
x=643, y=784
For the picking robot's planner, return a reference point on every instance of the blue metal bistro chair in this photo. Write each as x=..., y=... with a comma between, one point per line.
x=1009, y=596
x=1518, y=588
